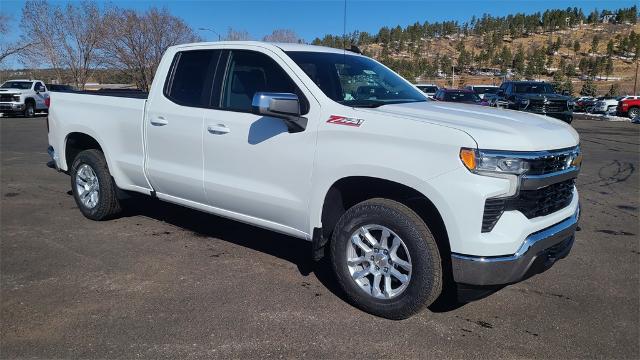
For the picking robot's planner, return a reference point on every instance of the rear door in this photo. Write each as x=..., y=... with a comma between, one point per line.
x=174, y=124
x=252, y=165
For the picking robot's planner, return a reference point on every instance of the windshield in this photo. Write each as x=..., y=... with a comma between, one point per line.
x=23, y=85
x=461, y=97
x=485, y=89
x=355, y=80
x=535, y=88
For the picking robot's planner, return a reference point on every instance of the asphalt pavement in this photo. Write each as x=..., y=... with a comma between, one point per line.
x=168, y=282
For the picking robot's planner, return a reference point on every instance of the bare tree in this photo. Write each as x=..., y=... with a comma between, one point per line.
x=67, y=38
x=137, y=41
x=237, y=35
x=283, y=36
x=9, y=48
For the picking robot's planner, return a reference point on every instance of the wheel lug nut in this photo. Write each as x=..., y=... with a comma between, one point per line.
x=375, y=250
x=386, y=252
x=386, y=269
x=377, y=267
x=372, y=258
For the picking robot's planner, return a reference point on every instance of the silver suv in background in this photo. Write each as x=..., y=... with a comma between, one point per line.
x=24, y=97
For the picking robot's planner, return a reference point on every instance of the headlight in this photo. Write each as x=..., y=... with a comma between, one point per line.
x=522, y=102
x=478, y=161
x=16, y=97
x=571, y=104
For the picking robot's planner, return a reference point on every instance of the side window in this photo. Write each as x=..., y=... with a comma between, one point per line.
x=191, y=77
x=249, y=72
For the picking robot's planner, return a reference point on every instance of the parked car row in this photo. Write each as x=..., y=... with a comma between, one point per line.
x=627, y=106
x=536, y=97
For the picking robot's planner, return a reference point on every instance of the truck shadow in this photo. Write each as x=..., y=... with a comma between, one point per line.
x=296, y=251
x=204, y=225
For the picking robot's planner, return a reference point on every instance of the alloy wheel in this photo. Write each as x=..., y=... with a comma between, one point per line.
x=378, y=261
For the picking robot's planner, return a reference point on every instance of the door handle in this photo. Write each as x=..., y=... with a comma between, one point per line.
x=218, y=129
x=159, y=121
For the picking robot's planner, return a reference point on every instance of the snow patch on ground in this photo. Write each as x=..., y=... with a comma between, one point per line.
x=604, y=117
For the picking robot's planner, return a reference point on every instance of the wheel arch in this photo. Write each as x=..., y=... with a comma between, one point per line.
x=77, y=141
x=348, y=191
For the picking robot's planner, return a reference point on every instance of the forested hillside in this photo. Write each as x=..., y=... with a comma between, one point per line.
x=597, y=50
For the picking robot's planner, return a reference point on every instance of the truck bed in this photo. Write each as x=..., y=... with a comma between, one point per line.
x=115, y=121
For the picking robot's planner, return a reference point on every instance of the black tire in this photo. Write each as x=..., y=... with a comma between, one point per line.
x=29, y=109
x=425, y=284
x=568, y=119
x=108, y=205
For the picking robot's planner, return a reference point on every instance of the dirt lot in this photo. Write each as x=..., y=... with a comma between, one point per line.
x=167, y=282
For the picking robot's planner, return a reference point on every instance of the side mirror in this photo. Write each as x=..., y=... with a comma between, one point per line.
x=285, y=106
x=565, y=92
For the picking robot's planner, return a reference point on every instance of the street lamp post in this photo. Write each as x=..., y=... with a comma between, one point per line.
x=213, y=31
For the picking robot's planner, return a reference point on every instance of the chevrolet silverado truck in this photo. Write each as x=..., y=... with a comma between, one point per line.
x=23, y=97
x=536, y=97
x=404, y=195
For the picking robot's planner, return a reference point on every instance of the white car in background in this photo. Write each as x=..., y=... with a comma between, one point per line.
x=605, y=105
x=24, y=97
x=483, y=90
x=429, y=89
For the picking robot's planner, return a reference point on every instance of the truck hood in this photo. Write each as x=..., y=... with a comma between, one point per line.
x=491, y=128
x=11, y=91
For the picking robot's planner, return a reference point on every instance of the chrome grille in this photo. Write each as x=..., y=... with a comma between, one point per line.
x=551, y=106
x=531, y=203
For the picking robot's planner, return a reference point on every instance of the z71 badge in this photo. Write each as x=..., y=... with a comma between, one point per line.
x=341, y=120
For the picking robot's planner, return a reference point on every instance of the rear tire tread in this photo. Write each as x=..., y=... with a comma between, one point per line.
x=108, y=205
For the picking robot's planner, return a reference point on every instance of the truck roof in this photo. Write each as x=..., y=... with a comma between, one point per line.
x=281, y=46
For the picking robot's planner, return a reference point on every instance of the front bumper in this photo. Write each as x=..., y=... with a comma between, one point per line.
x=537, y=253
x=11, y=107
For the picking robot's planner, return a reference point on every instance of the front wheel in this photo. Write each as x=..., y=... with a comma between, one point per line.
x=29, y=110
x=93, y=187
x=634, y=113
x=385, y=259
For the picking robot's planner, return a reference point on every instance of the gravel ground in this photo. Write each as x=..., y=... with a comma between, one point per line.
x=168, y=282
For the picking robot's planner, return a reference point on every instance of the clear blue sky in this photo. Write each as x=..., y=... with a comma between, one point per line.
x=310, y=19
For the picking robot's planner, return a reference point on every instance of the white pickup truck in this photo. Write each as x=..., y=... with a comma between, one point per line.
x=23, y=97
x=405, y=195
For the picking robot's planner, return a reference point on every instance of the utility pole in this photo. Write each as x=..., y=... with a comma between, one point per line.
x=213, y=31
x=453, y=76
x=635, y=81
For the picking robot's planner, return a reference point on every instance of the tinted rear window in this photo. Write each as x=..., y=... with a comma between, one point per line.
x=191, y=78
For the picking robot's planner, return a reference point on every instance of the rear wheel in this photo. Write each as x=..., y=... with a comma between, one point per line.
x=93, y=187
x=386, y=259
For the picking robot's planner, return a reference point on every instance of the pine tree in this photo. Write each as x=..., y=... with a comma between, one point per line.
x=588, y=88
x=614, y=90
x=518, y=61
x=567, y=87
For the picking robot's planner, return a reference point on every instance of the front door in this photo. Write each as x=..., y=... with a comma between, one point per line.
x=252, y=165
